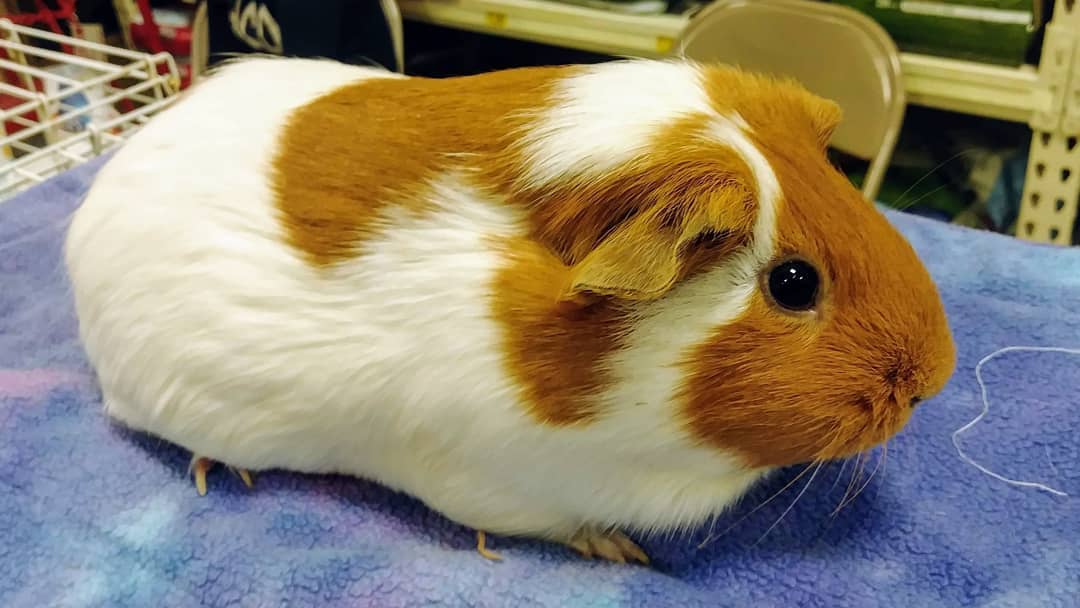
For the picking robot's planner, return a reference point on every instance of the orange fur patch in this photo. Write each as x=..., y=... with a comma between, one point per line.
x=347, y=154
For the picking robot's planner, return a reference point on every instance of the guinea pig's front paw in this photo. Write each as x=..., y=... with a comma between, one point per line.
x=611, y=545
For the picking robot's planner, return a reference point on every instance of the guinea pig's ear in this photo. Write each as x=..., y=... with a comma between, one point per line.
x=642, y=259
x=638, y=261
x=825, y=116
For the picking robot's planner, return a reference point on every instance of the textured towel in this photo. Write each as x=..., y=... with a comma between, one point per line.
x=92, y=515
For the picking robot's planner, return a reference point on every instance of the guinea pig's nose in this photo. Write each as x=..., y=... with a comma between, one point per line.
x=915, y=401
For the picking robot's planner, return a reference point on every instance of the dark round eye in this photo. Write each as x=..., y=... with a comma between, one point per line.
x=794, y=285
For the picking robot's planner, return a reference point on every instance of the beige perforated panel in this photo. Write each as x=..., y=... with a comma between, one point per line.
x=1048, y=210
x=1051, y=189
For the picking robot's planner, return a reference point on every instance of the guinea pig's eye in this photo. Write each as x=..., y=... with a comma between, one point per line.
x=793, y=284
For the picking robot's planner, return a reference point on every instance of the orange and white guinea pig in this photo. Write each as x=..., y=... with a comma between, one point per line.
x=566, y=302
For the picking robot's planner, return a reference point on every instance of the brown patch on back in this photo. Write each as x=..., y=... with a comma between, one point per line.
x=350, y=152
x=346, y=154
x=779, y=388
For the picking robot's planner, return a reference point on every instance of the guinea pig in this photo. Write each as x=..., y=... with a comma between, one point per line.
x=568, y=303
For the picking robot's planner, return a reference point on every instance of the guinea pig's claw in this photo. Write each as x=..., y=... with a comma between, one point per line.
x=199, y=466
x=612, y=546
x=481, y=547
x=245, y=476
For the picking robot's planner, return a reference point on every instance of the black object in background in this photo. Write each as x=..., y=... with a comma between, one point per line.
x=438, y=52
x=351, y=31
x=98, y=11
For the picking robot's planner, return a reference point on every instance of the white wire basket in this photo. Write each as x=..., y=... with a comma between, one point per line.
x=64, y=101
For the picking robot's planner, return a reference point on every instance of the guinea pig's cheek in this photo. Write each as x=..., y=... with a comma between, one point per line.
x=733, y=399
x=758, y=389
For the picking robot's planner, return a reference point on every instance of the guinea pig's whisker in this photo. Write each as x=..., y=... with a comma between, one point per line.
x=920, y=199
x=856, y=478
x=856, y=474
x=897, y=202
x=884, y=465
x=850, y=500
x=834, y=445
x=877, y=465
x=792, y=505
x=710, y=537
x=712, y=529
x=843, y=469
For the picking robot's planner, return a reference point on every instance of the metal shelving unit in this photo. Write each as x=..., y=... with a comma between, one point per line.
x=1048, y=99
x=553, y=23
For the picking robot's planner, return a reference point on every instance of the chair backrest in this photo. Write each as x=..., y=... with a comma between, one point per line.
x=834, y=51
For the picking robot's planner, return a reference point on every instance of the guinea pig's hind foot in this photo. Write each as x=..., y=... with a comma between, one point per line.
x=611, y=545
x=201, y=465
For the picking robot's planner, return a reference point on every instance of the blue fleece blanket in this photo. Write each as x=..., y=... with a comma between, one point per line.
x=92, y=515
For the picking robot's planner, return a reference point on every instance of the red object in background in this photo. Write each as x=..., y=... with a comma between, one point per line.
x=42, y=17
x=154, y=38
x=10, y=101
x=50, y=18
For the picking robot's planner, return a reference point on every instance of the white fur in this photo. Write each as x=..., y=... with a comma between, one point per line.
x=207, y=330
x=731, y=131
x=607, y=114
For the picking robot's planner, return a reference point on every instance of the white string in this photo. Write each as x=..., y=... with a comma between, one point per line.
x=986, y=410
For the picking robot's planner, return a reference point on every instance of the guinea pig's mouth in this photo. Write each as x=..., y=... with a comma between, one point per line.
x=876, y=424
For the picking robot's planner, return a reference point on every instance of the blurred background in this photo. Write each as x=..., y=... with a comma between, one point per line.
x=965, y=111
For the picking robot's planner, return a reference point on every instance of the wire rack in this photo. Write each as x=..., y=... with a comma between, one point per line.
x=64, y=101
